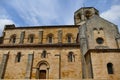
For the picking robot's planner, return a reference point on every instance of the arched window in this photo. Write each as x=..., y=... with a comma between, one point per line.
x=78, y=16
x=94, y=29
x=88, y=14
x=44, y=54
x=69, y=38
x=13, y=39
x=71, y=57
x=50, y=38
x=110, y=68
x=100, y=28
x=31, y=38
x=18, y=57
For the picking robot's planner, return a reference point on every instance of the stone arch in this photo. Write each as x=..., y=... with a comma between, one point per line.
x=50, y=34
x=101, y=31
x=43, y=61
x=101, y=28
x=42, y=69
x=88, y=14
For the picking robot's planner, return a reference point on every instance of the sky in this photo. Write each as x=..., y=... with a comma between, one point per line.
x=53, y=12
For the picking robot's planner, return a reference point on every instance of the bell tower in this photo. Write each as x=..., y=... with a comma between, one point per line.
x=83, y=14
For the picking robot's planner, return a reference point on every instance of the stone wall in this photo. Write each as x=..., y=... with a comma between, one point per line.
x=99, y=65
x=46, y=31
x=17, y=70
x=99, y=27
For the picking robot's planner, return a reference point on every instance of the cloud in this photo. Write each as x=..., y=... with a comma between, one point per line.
x=113, y=15
x=4, y=19
x=4, y=22
x=43, y=12
x=35, y=12
x=69, y=8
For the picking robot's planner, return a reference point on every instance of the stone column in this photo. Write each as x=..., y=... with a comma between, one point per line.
x=22, y=35
x=40, y=36
x=3, y=65
x=47, y=73
x=29, y=66
x=83, y=48
x=59, y=36
x=83, y=39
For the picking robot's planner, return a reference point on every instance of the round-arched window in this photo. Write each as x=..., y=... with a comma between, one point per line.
x=100, y=40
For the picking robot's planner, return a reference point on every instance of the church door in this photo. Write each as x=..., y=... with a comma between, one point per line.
x=42, y=74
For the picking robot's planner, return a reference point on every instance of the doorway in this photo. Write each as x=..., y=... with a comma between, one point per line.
x=42, y=70
x=42, y=74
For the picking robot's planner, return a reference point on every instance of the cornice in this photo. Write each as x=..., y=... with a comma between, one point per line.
x=38, y=45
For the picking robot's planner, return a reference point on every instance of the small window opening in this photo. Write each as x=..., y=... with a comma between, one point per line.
x=69, y=39
x=71, y=57
x=50, y=39
x=13, y=39
x=44, y=54
x=110, y=68
x=31, y=38
x=18, y=57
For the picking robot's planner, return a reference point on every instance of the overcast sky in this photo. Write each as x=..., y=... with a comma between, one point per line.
x=53, y=12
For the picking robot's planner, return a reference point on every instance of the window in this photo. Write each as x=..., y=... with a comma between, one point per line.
x=79, y=16
x=50, y=38
x=110, y=68
x=69, y=38
x=44, y=54
x=71, y=57
x=94, y=28
x=88, y=14
x=31, y=38
x=13, y=39
x=99, y=40
x=18, y=57
x=101, y=29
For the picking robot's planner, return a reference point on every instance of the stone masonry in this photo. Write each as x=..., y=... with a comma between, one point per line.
x=88, y=50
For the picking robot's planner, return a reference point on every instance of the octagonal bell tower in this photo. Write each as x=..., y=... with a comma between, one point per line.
x=83, y=14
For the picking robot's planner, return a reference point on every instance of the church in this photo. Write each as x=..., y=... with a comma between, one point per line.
x=89, y=49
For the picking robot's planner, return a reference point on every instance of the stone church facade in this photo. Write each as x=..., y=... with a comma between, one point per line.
x=90, y=49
